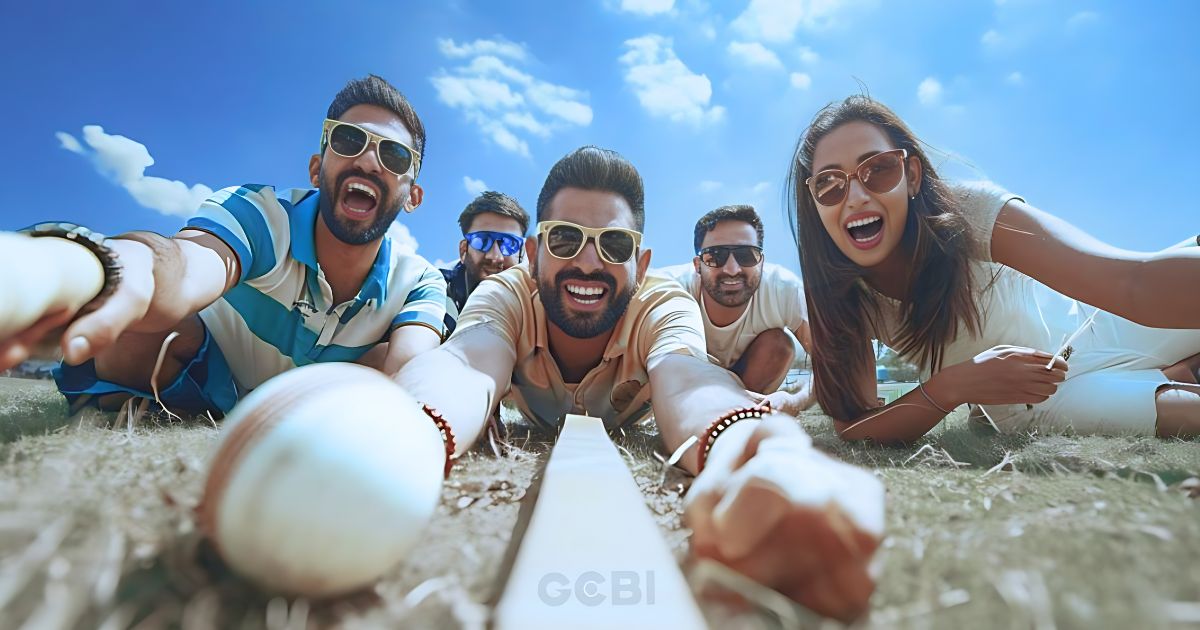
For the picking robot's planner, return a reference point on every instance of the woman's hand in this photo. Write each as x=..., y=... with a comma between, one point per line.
x=789, y=517
x=1003, y=375
x=790, y=403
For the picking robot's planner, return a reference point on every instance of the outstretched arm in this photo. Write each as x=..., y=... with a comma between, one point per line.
x=162, y=281
x=766, y=503
x=1153, y=289
x=464, y=379
x=1000, y=375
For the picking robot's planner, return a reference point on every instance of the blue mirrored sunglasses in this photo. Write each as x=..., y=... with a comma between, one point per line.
x=483, y=241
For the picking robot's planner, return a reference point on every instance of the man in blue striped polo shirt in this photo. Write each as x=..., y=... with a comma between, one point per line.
x=260, y=281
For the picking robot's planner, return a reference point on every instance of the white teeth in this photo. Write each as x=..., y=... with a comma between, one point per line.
x=731, y=282
x=866, y=221
x=361, y=188
x=576, y=290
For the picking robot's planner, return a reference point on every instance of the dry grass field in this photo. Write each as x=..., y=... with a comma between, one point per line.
x=97, y=530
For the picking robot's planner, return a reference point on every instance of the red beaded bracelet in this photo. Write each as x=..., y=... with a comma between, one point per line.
x=447, y=434
x=722, y=423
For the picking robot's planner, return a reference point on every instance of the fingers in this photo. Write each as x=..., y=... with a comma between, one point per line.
x=18, y=349
x=743, y=519
x=94, y=332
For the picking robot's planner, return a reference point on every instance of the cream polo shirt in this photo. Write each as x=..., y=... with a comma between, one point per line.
x=661, y=319
x=778, y=303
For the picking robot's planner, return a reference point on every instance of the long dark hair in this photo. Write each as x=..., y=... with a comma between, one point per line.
x=843, y=312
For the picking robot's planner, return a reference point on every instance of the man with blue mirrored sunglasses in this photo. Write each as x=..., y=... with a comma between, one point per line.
x=493, y=227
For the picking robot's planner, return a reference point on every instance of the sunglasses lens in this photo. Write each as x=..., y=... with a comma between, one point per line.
x=882, y=172
x=829, y=187
x=564, y=241
x=714, y=257
x=347, y=140
x=747, y=256
x=509, y=244
x=395, y=156
x=616, y=246
x=480, y=241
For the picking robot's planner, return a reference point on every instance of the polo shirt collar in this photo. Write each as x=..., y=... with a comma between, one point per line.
x=303, y=220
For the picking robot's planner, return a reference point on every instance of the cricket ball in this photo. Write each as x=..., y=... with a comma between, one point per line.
x=324, y=478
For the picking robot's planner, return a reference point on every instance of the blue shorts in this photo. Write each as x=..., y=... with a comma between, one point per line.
x=204, y=384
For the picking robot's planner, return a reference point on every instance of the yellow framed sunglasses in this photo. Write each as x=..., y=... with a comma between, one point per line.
x=564, y=240
x=349, y=140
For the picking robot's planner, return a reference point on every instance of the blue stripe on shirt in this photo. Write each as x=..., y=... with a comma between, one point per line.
x=284, y=328
x=250, y=216
x=227, y=235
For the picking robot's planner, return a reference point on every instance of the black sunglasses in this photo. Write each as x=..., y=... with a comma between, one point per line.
x=718, y=255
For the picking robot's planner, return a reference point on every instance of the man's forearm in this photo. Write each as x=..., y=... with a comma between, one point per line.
x=442, y=379
x=180, y=287
x=689, y=395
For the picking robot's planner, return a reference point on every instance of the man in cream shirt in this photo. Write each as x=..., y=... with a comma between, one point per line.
x=582, y=329
x=753, y=311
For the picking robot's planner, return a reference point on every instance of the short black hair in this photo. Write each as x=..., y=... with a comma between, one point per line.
x=495, y=203
x=728, y=213
x=374, y=90
x=593, y=168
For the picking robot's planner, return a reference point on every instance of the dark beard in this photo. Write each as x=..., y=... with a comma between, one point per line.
x=725, y=298
x=475, y=272
x=346, y=231
x=588, y=326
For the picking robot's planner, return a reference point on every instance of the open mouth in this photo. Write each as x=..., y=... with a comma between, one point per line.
x=865, y=231
x=585, y=294
x=359, y=200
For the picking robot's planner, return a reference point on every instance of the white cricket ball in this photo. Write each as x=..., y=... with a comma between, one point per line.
x=323, y=480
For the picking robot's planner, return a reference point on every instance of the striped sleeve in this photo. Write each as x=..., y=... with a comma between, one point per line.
x=242, y=217
x=425, y=304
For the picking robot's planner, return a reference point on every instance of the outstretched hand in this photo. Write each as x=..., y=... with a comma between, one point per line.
x=50, y=298
x=791, y=518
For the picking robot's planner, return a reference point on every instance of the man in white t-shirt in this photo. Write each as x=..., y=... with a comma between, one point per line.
x=754, y=311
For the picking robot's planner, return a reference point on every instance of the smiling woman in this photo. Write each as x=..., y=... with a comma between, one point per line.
x=983, y=291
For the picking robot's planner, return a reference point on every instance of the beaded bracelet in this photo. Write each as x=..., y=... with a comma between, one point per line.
x=447, y=434
x=95, y=243
x=724, y=422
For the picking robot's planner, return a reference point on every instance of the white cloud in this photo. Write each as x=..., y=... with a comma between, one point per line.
x=709, y=185
x=1015, y=78
x=499, y=47
x=504, y=102
x=760, y=188
x=665, y=86
x=647, y=7
x=801, y=80
x=991, y=39
x=808, y=55
x=1081, y=20
x=125, y=161
x=443, y=264
x=68, y=142
x=777, y=20
x=475, y=187
x=402, y=240
x=930, y=91
x=754, y=54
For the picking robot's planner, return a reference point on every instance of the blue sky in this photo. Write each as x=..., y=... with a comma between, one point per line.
x=1088, y=109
